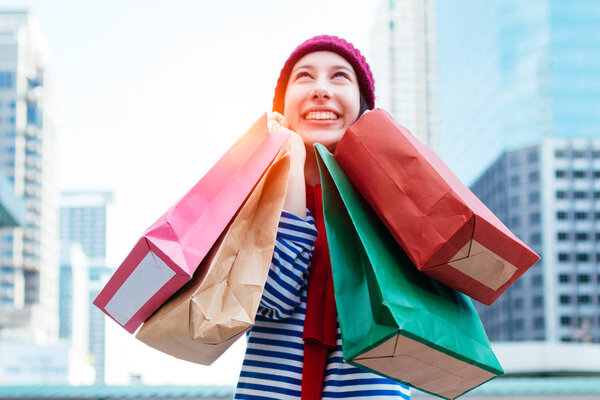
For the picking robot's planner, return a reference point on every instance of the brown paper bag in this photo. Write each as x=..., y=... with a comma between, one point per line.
x=219, y=304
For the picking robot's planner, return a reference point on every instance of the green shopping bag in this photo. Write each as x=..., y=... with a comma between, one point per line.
x=395, y=320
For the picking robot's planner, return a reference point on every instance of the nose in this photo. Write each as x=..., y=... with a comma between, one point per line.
x=321, y=91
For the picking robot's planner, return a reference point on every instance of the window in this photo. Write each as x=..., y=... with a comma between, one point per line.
x=515, y=180
x=534, y=197
x=581, y=215
x=564, y=278
x=563, y=257
x=518, y=303
x=560, y=153
x=533, y=177
x=597, y=236
x=538, y=322
x=581, y=236
x=597, y=215
x=565, y=320
x=563, y=215
x=515, y=221
x=561, y=194
x=564, y=299
x=538, y=301
x=532, y=156
x=596, y=153
x=518, y=283
x=535, y=239
x=583, y=278
x=7, y=79
x=579, y=174
x=596, y=174
x=580, y=195
x=515, y=160
x=560, y=173
x=562, y=236
x=583, y=257
x=534, y=218
x=519, y=324
x=514, y=201
x=584, y=299
x=597, y=195
x=536, y=280
x=578, y=153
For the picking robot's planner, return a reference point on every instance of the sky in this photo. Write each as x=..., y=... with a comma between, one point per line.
x=149, y=94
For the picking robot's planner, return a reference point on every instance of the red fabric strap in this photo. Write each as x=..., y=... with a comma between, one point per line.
x=321, y=316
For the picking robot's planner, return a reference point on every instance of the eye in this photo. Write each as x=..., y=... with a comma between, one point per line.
x=342, y=75
x=302, y=74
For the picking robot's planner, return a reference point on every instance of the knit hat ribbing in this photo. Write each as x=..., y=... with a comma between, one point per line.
x=334, y=44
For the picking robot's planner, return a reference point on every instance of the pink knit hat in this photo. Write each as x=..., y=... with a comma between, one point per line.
x=334, y=44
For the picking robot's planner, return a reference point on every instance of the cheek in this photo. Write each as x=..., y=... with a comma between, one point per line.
x=293, y=101
x=351, y=105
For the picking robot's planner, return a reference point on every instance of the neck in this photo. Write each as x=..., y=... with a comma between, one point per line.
x=311, y=167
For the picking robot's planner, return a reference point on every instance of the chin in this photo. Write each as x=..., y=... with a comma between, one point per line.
x=326, y=138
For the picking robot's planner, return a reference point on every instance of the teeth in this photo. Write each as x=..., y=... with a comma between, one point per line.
x=322, y=115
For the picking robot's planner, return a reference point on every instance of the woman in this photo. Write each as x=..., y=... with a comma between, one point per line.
x=294, y=350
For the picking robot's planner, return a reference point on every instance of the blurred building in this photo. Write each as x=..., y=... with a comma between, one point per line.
x=129, y=392
x=74, y=300
x=403, y=63
x=28, y=254
x=99, y=276
x=83, y=221
x=549, y=196
x=511, y=73
x=27, y=363
x=12, y=212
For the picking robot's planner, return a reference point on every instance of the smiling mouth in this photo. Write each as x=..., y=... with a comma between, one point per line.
x=321, y=116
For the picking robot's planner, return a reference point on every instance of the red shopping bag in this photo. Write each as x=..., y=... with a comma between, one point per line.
x=169, y=252
x=444, y=228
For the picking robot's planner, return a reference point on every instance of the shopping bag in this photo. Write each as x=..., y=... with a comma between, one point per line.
x=169, y=252
x=396, y=321
x=219, y=304
x=444, y=228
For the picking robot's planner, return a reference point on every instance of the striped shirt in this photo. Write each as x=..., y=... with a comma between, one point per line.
x=272, y=368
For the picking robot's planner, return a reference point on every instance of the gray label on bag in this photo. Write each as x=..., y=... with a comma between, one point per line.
x=146, y=279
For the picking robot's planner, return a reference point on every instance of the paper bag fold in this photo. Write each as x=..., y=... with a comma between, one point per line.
x=220, y=302
x=447, y=232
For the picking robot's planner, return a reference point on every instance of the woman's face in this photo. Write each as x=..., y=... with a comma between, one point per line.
x=322, y=98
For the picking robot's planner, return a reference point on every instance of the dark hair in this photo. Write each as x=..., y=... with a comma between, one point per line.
x=364, y=106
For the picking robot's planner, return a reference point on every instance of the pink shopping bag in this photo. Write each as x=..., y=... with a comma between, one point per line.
x=169, y=252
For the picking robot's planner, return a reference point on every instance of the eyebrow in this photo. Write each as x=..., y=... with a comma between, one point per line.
x=310, y=66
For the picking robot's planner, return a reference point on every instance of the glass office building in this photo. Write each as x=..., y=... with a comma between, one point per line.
x=511, y=73
x=549, y=196
x=28, y=254
x=519, y=111
x=83, y=221
x=403, y=64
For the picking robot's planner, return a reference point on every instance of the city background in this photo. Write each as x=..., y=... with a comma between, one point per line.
x=109, y=112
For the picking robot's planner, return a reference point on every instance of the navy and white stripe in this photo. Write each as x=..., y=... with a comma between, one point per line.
x=272, y=366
